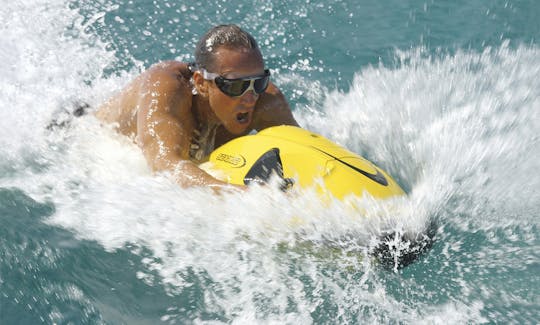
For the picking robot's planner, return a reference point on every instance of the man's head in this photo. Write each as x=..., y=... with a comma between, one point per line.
x=228, y=36
x=230, y=75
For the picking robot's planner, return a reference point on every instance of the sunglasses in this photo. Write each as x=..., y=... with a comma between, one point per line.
x=238, y=87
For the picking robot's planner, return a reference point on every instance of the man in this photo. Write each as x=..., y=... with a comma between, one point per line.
x=178, y=113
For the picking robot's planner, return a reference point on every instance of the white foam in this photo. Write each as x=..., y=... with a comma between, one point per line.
x=462, y=123
x=459, y=126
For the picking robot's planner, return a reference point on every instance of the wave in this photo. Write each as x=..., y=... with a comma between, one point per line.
x=459, y=131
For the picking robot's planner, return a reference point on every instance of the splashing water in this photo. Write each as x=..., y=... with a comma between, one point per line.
x=104, y=240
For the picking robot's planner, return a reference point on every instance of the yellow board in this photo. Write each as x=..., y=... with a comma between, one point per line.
x=308, y=159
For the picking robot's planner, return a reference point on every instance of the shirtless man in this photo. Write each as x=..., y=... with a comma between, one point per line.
x=178, y=113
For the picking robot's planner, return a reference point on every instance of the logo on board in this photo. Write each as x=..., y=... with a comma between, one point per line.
x=236, y=161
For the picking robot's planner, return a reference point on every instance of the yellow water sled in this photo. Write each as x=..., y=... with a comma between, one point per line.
x=301, y=159
x=304, y=159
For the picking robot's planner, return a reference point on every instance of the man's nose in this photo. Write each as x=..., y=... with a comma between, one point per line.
x=249, y=97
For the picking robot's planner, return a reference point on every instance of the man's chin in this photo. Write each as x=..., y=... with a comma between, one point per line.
x=238, y=130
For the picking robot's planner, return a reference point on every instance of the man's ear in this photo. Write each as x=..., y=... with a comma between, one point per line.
x=200, y=85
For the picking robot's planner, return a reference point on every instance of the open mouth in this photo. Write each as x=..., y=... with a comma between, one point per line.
x=242, y=117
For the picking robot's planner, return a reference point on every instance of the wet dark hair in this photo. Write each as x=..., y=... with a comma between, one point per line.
x=230, y=36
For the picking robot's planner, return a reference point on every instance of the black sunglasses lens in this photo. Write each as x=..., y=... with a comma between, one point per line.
x=260, y=85
x=238, y=87
x=232, y=87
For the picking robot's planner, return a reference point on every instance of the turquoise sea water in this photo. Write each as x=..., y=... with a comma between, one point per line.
x=444, y=95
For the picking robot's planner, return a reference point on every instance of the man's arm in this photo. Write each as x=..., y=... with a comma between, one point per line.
x=165, y=126
x=272, y=109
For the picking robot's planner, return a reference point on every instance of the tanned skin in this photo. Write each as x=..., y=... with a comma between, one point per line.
x=159, y=111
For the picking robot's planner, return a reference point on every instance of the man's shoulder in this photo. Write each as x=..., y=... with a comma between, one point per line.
x=168, y=74
x=272, y=109
x=170, y=66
